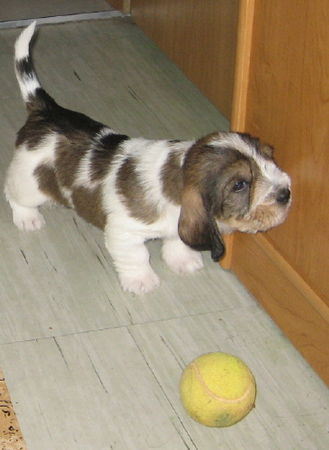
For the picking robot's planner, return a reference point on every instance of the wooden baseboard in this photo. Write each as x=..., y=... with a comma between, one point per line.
x=293, y=305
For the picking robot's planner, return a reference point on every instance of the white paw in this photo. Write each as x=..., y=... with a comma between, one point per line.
x=181, y=259
x=27, y=219
x=139, y=283
x=185, y=265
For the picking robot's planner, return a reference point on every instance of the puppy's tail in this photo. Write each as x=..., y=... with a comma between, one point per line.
x=30, y=87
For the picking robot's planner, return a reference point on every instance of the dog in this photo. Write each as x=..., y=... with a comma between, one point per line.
x=187, y=193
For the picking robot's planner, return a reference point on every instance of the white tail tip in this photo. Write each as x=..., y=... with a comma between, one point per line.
x=23, y=41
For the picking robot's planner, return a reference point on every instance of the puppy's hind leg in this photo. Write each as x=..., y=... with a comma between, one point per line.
x=22, y=190
x=26, y=218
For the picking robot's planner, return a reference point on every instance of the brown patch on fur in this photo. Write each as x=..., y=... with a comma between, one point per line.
x=200, y=159
x=100, y=164
x=197, y=227
x=88, y=204
x=48, y=184
x=134, y=194
x=33, y=132
x=68, y=156
x=103, y=153
x=172, y=177
x=193, y=216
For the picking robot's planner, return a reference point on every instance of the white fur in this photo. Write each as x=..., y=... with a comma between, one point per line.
x=23, y=41
x=179, y=257
x=21, y=187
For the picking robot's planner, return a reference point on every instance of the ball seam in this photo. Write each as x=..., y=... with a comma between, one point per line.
x=215, y=396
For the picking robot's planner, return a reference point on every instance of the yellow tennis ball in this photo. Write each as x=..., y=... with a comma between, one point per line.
x=217, y=389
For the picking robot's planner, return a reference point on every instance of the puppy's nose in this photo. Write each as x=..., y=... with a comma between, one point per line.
x=283, y=196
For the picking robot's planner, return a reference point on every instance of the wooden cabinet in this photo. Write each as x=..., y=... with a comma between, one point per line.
x=273, y=55
x=200, y=37
x=121, y=5
x=284, y=71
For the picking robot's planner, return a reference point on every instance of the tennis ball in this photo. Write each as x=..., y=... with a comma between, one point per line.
x=217, y=389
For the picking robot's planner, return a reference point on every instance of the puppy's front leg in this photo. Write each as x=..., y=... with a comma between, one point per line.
x=131, y=260
x=179, y=257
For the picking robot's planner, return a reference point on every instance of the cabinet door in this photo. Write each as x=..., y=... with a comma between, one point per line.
x=121, y=5
x=285, y=101
x=200, y=37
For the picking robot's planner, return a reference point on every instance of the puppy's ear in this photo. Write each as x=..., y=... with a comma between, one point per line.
x=197, y=228
x=267, y=150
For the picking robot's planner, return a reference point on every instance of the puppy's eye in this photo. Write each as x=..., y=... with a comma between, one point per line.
x=240, y=185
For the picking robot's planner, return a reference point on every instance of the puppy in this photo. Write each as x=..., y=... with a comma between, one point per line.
x=186, y=193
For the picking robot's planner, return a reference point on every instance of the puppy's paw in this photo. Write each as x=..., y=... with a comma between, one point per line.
x=189, y=264
x=27, y=219
x=139, y=283
x=181, y=259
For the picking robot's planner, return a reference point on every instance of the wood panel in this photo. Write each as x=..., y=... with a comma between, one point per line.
x=200, y=37
x=121, y=5
x=287, y=105
x=299, y=312
x=240, y=90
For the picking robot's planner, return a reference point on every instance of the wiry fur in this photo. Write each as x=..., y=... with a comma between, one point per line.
x=186, y=193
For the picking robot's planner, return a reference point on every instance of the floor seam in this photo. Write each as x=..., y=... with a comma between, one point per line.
x=125, y=326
